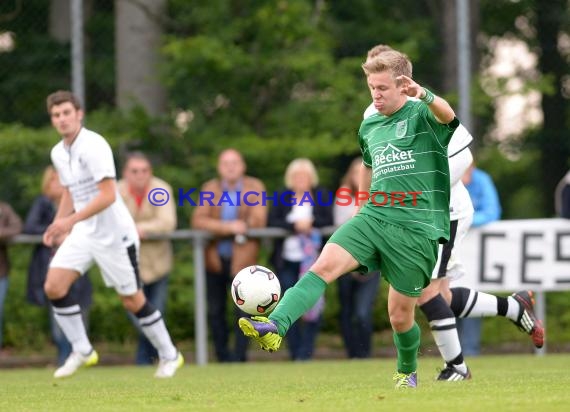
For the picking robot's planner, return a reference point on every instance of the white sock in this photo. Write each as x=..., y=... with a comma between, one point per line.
x=154, y=328
x=462, y=367
x=71, y=323
x=513, y=309
x=485, y=305
x=444, y=332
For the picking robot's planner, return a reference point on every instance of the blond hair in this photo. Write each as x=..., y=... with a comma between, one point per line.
x=377, y=50
x=297, y=165
x=395, y=62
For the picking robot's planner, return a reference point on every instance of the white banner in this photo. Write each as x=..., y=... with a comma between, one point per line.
x=513, y=255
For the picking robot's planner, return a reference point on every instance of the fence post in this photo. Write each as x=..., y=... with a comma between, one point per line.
x=200, y=321
x=540, y=312
x=77, y=52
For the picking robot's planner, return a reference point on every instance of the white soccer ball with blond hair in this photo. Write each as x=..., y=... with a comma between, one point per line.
x=256, y=290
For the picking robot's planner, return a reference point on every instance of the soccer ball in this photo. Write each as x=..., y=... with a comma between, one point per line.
x=256, y=290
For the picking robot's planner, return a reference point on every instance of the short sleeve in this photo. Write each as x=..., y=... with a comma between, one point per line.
x=99, y=159
x=442, y=132
x=366, y=159
x=57, y=161
x=460, y=140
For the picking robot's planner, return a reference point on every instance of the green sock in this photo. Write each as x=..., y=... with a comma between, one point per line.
x=297, y=300
x=407, y=344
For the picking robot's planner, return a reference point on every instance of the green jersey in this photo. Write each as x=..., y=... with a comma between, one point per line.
x=407, y=152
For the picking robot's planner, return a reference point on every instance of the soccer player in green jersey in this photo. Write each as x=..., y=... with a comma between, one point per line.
x=398, y=230
x=438, y=302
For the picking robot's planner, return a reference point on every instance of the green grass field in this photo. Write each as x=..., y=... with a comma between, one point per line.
x=500, y=383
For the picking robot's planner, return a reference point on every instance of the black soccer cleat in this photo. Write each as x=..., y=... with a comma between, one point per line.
x=527, y=320
x=452, y=374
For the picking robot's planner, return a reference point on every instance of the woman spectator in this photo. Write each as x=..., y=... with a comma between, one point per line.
x=303, y=208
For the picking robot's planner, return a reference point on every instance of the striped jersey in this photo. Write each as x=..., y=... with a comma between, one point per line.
x=407, y=152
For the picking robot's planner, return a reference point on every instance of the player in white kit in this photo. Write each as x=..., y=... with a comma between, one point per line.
x=442, y=305
x=93, y=225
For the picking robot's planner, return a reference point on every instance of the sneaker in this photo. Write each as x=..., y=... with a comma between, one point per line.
x=451, y=373
x=74, y=361
x=167, y=368
x=406, y=380
x=527, y=320
x=263, y=331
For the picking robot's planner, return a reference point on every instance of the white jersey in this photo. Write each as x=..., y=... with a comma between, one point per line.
x=460, y=204
x=81, y=167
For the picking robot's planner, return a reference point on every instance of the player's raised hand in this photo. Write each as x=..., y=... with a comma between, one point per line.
x=410, y=87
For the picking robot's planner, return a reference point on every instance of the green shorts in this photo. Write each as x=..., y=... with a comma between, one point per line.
x=405, y=258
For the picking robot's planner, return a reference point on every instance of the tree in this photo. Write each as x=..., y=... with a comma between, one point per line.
x=138, y=41
x=551, y=19
x=59, y=26
x=542, y=24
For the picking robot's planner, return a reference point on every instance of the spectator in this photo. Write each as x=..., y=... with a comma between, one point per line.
x=39, y=217
x=487, y=208
x=357, y=292
x=230, y=250
x=296, y=253
x=562, y=197
x=155, y=256
x=10, y=225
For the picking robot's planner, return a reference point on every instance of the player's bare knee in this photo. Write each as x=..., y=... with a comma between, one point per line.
x=54, y=290
x=133, y=303
x=399, y=323
x=401, y=315
x=333, y=262
x=401, y=320
x=324, y=270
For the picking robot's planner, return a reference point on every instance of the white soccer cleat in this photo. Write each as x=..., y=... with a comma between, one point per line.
x=74, y=361
x=167, y=368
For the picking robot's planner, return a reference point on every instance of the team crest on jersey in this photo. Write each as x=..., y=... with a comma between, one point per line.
x=401, y=128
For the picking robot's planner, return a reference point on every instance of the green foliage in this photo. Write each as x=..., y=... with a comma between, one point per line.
x=235, y=76
x=24, y=91
x=24, y=153
x=358, y=25
x=39, y=65
x=501, y=17
x=514, y=172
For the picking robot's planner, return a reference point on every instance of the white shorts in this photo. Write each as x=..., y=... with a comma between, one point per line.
x=117, y=261
x=448, y=263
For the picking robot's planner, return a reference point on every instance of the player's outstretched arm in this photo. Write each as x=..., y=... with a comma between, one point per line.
x=438, y=106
